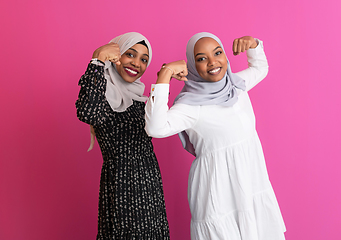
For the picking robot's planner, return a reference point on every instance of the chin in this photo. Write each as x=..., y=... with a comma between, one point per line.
x=129, y=80
x=215, y=79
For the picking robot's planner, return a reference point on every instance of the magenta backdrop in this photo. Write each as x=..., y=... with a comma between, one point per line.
x=49, y=183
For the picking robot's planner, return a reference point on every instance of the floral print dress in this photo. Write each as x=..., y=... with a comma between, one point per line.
x=131, y=200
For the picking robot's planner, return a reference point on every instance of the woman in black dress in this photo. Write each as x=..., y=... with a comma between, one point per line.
x=131, y=201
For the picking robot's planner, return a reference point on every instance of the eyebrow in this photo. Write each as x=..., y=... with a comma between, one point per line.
x=138, y=52
x=204, y=54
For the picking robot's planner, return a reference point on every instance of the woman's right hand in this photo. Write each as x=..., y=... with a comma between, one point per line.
x=110, y=51
x=177, y=70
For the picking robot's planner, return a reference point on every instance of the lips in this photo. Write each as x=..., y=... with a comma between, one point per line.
x=215, y=71
x=131, y=72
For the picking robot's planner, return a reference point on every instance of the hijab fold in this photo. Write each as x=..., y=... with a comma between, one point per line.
x=198, y=91
x=119, y=93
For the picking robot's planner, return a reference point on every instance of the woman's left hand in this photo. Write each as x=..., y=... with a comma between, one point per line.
x=242, y=44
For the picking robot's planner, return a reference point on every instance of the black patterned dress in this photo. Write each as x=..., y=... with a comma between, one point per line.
x=131, y=201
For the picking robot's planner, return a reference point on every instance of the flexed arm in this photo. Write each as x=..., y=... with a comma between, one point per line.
x=160, y=120
x=243, y=44
x=177, y=70
x=258, y=64
x=108, y=52
x=92, y=106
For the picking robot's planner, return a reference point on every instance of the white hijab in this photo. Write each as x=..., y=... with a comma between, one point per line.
x=198, y=91
x=119, y=93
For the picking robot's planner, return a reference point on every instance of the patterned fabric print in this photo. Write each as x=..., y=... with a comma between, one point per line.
x=131, y=201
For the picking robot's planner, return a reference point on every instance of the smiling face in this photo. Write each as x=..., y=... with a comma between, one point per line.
x=210, y=59
x=133, y=63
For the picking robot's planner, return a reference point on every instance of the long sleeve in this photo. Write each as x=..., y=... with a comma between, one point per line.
x=92, y=106
x=258, y=66
x=162, y=121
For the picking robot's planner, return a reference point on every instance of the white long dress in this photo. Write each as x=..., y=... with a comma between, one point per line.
x=229, y=192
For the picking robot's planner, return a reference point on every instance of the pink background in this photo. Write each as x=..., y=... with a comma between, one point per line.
x=49, y=183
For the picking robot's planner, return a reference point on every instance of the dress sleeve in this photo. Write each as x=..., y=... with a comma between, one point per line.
x=163, y=122
x=92, y=106
x=258, y=66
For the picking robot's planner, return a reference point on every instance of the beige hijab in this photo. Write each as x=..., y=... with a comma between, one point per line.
x=119, y=93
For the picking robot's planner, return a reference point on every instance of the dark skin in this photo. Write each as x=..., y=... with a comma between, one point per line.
x=178, y=69
x=130, y=65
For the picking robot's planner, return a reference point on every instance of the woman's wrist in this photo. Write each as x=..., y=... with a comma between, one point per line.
x=168, y=68
x=99, y=55
x=255, y=44
x=96, y=61
x=164, y=75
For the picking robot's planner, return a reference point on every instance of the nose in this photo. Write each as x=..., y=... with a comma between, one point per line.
x=211, y=61
x=135, y=62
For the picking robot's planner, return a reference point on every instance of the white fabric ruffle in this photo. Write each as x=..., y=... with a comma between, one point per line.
x=262, y=222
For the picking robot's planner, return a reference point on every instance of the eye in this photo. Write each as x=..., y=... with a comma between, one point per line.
x=128, y=54
x=218, y=53
x=201, y=59
x=144, y=60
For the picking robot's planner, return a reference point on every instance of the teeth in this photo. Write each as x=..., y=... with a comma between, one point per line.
x=214, y=70
x=129, y=70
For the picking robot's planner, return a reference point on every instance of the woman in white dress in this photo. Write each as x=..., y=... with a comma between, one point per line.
x=229, y=192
